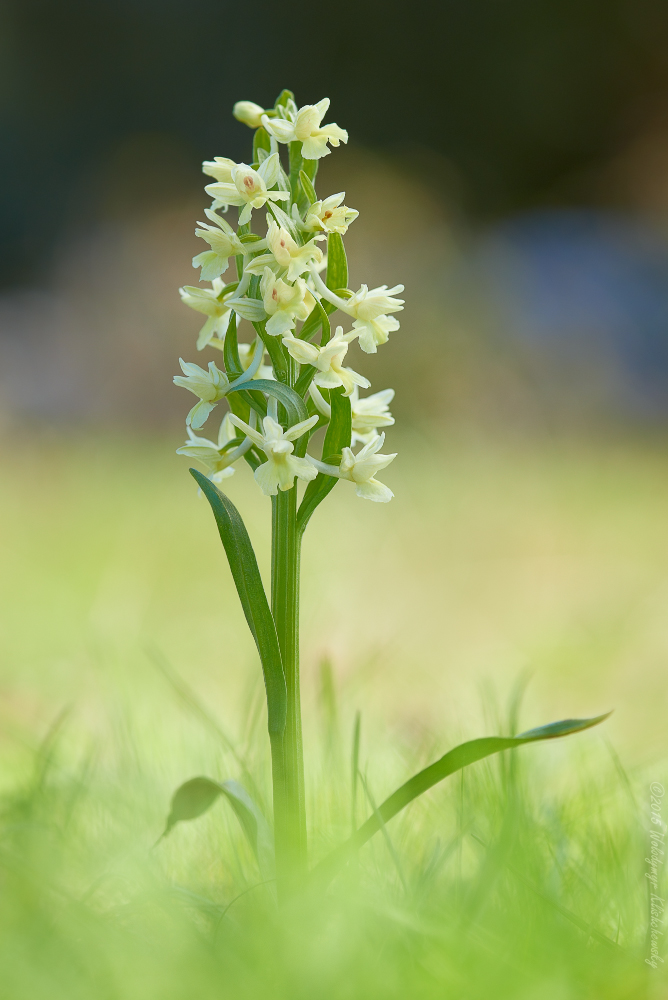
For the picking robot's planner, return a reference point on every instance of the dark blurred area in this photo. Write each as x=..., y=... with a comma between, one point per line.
x=510, y=160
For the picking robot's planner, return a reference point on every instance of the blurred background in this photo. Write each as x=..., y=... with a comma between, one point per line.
x=510, y=163
x=509, y=159
x=526, y=144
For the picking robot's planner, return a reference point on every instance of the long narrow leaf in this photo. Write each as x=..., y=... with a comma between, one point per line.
x=272, y=344
x=248, y=582
x=337, y=263
x=307, y=186
x=294, y=404
x=262, y=141
x=337, y=438
x=233, y=365
x=318, y=317
x=454, y=760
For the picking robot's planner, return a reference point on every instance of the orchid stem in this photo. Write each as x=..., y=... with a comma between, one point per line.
x=289, y=806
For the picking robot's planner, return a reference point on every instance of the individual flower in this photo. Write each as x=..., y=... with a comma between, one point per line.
x=304, y=127
x=285, y=254
x=246, y=355
x=220, y=167
x=368, y=308
x=207, y=301
x=248, y=113
x=283, y=303
x=224, y=244
x=369, y=414
x=248, y=188
x=218, y=457
x=373, y=332
x=328, y=361
x=362, y=467
x=281, y=467
x=330, y=216
x=209, y=385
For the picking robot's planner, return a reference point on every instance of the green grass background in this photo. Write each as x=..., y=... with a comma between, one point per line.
x=499, y=564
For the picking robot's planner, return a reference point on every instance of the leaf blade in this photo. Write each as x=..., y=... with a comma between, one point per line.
x=195, y=797
x=293, y=403
x=337, y=262
x=246, y=576
x=337, y=437
x=451, y=762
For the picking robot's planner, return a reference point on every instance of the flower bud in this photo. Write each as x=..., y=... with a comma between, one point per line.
x=248, y=113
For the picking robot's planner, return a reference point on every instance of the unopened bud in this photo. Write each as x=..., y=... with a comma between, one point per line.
x=248, y=113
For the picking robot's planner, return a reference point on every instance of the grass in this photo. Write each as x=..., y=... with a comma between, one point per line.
x=522, y=879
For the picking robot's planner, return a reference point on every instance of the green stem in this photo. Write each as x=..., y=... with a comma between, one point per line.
x=289, y=809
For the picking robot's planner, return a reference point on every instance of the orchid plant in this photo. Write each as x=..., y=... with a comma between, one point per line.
x=282, y=388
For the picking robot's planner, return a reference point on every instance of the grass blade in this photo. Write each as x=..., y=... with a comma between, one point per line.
x=454, y=760
x=248, y=582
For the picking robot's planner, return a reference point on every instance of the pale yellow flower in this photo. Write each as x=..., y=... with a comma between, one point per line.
x=305, y=127
x=209, y=385
x=206, y=300
x=286, y=256
x=216, y=456
x=248, y=113
x=224, y=244
x=281, y=467
x=248, y=188
x=369, y=414
x=330, y=216
x=362, y=467
x=369, y=308
x=284, y=303
x=328, y=360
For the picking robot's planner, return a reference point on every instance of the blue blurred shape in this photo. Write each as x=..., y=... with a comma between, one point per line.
x=589, y=284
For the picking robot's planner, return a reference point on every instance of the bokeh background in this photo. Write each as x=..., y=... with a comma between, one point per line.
x=510, y=163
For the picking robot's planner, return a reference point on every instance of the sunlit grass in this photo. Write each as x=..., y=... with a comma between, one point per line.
x=524, y=879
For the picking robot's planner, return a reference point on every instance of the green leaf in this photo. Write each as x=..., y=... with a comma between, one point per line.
x=306, y=376
x=317, y=317
x=454, y=760
x=233, y=365
x=296, y=161
x=294, y=405
x=274, y=347
x=337, y=438
x=307, y=187
x=283, y=98
x=261, y=140
x=248, y=582
x=250, y=309
x=337, y=263
x=311, y=169
x=190, y=800
x=195, y=797
x=284, y=220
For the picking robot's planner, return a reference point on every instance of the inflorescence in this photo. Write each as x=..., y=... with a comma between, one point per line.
x=280, y=290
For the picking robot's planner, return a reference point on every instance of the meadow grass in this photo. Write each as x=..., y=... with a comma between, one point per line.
x=523, y=878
